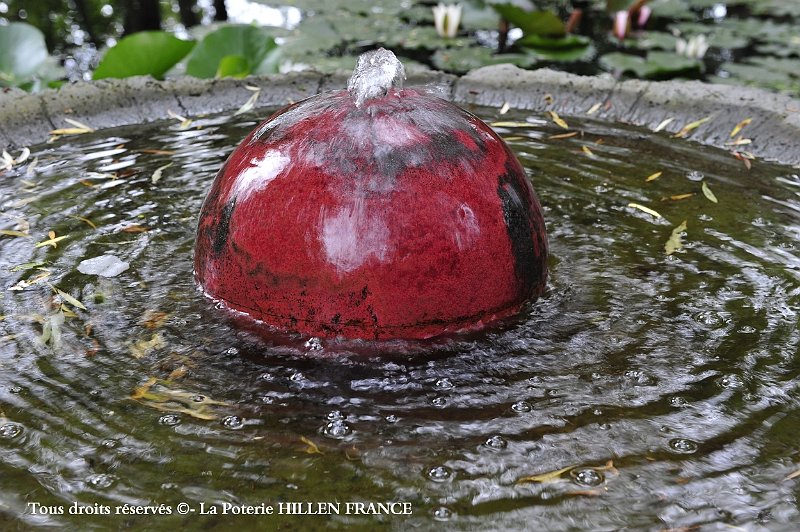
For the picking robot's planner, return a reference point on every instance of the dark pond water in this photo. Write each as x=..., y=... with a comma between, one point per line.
x=665, y=387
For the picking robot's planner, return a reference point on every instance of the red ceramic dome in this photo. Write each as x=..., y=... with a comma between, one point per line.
x=374, y=212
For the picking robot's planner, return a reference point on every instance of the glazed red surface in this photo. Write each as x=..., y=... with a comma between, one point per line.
x=407, y=217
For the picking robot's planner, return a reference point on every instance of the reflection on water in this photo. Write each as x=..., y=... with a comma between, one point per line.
x=663, y=387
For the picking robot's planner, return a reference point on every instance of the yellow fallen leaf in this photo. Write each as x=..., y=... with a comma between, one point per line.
x=52, y=241
x=642, y=208
x=675, y=241
x=77, y=124
x=68, y=298
x=547, y=477
x=87, y=221
x=11, y=232
x=653, y=177
x=558, y=120
x=708, y=194
x=593, y=109
x=739, y=142
x=587, y=151
x=690, y=127
x=249, y=104
x=563, y=135
x=70, y=131
x=311, y=446
x=678, y=197
x=511, y=124
x=143, y=348
x=22, y=285
x=735, y=131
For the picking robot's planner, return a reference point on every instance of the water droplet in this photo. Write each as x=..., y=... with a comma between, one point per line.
x=521, y=406
x=335, y=415
x=678, y=402
x=232, y=422
x=231, y=351
x=337, y=429
x=682, y=446
x=729, y=381
x=169, y=419
x=496, y=442
x=440, y=474
x=442, y=513
x=439, y=402
x=444, y=384
x=15, y=389
x=10, y=431
x=391, y=418
x=297, y=377
x=313, y=344
x=267, y=377
x=101, y=480
x=109, y=443
x=586, y=476
x=695, y=175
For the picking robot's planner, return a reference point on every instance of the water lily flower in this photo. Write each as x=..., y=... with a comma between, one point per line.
x=696, y=47
x=447, y=18
x=621, y=24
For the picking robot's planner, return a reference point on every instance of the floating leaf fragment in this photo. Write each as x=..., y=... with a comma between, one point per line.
x=87, y=221
x=745, y=160
x=505, y=108
x=156, y=177
x=792, y=475
x=563, y=135
x=587, y=151
x=708, y=194
x=549, y=99
x=735, y=131
x=675, y=241
x=154, y=319
x=143, y=348
x=511, y=124
x=26, y=266
x=558, y=120
x=653, y=177
x=185, y=122
x=78, y=124
x=679, y=197
x=68, y=298
x=11, y=232
x=593, y=109
x=739, y=142
x=51, y=330
x=642, y=208
x=78, y=129
x=249, y=104
x=155, y=393
x=551, y=476
x=157, y=152
x=52, y=241
x=664, y=123
x=23, y=284
x=134, y=228
x=311, y=447
x=690, y=127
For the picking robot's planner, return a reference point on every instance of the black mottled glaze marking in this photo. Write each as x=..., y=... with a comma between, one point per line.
x=520, y=230
x=223, y=228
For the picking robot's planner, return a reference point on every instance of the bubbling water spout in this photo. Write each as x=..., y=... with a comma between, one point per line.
x=375, y=74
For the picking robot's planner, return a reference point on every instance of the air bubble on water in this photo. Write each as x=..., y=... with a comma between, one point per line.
x=101, y=480
x=335, y=415
x=682, y=446
x=313, y=344
x=232, y=422
x=232, y=351
x=678, y=402
x=110, y=443
x=694, y=175
x=521, y=407
x=169, y=486
x=444, y=384
x=586, y=476
x=169, y=419
x=440, y=473
x=297, y=377
x=496, y=442
x=15, y=389
x=439, y=402
x=729, y=381
x=337, y=429
x=199, y=398
x=391, y=418
x=748, y=329
x=442, y=513
x=10, y=431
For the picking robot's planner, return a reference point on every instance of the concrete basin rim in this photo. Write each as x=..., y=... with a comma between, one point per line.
x=27, y=119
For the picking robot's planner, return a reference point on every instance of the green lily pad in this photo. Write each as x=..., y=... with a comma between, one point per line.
x=657, y=65
x=718, y=36
x=145, y=53
x=548, y=43
x=653, y=40
x=423, y=37
x=776, y=8
x=22, y=52
x=543, y=23
x=672, y=9
x=233, y=66
x=251, y=42
x=775, y=74
x=462, y=60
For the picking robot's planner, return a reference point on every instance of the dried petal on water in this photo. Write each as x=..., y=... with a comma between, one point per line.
x=739, y=142
x=563, y=135
x=551, y=476
x=675, y=241
x=653, y=177
x=311, y=447
x=664, y=123
x=642, y=208
x=587, y=151
x=505, y=108
x=558, y=120
x=678, y=197
x=103, y=266
x=249, y=104
x=708, y=194
x=593, y=109
x=511, y=124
